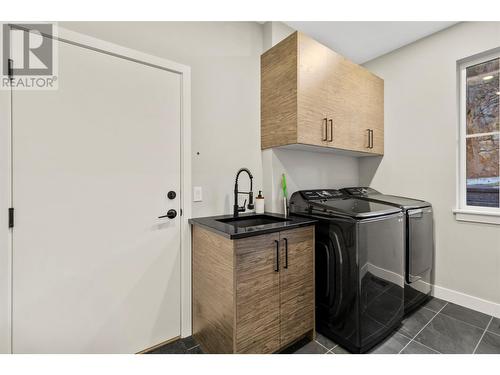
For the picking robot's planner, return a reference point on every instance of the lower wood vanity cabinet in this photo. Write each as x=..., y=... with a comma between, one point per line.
x=255, y=294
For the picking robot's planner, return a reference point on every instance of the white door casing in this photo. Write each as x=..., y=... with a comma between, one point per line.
x=99, y=271
x=5, y=233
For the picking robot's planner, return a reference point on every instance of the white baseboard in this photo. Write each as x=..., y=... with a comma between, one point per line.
x=475, y=303
x=462, y=299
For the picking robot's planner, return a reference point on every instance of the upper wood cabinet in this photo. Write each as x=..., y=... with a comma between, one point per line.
x=312, y=96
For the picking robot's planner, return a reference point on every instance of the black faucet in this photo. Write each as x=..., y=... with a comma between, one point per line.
x=250, y=206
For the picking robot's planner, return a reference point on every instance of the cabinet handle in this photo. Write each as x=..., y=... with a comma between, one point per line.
x=277, y=269
x=286, y=252
x=331, y=130
x=325, y=126
x=370, y=138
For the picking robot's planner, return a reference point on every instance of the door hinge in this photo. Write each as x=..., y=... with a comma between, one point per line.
x=11, y=217
x=181, y=211
x=10, y=68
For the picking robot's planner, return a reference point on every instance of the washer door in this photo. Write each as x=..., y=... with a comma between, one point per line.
x=334, y=277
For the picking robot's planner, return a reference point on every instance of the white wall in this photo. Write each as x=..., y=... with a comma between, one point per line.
x=420, y=155
x=274, y=32
x=225, y=62
x=303, y=169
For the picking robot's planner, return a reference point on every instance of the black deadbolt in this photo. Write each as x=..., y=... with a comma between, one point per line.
x=171, y=194
x=170, y=214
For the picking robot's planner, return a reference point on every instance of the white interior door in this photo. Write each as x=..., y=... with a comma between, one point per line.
x=94, y=268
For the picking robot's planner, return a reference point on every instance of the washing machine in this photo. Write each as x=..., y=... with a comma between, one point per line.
x=359, y=266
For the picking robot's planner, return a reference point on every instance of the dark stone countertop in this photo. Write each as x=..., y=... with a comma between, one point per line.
x=233, y=232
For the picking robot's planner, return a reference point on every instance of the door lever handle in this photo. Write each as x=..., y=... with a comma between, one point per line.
x=171, y=214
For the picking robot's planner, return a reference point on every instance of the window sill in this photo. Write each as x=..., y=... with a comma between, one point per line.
x=477, y=216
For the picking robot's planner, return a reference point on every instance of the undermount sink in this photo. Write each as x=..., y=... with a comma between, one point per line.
x=251, y=221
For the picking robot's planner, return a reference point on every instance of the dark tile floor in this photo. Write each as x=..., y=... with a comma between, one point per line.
x=187, y=345
x=437, y=327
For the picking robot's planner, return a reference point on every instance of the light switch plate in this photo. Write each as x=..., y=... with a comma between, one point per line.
x=197, y=194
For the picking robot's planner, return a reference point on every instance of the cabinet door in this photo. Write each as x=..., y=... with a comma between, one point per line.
x=366, y=107
x=296, y=283
x=356, y=101
x=342, y=100
x=257, y=294
x=279, y=94
x=375, y=111
x=378, y=125
x=312, y=92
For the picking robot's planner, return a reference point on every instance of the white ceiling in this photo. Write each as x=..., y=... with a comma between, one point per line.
x=363, y=41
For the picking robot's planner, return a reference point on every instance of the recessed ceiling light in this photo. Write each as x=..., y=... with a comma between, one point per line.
x=498, y=92
x=487, y=78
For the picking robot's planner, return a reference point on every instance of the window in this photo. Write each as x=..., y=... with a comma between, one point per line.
x=479, y=174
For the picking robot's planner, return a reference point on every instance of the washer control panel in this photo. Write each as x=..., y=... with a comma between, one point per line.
x=360, y=191
x=321, y=194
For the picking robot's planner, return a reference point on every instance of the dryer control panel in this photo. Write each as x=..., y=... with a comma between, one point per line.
x=322, y=194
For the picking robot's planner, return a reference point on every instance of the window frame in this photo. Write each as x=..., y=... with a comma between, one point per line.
x=463, y=211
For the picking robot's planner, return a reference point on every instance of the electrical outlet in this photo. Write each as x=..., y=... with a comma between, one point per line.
x=197, y=194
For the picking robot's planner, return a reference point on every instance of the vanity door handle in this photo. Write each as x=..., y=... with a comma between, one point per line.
x=286, y=252
x=331, y=130
x=277, y=269
x=325, y=127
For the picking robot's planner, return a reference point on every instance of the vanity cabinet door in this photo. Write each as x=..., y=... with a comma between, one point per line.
x=296, y=283
x=257, y=294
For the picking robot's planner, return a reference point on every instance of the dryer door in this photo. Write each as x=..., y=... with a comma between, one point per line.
x=381, y=276
x=420, y=243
